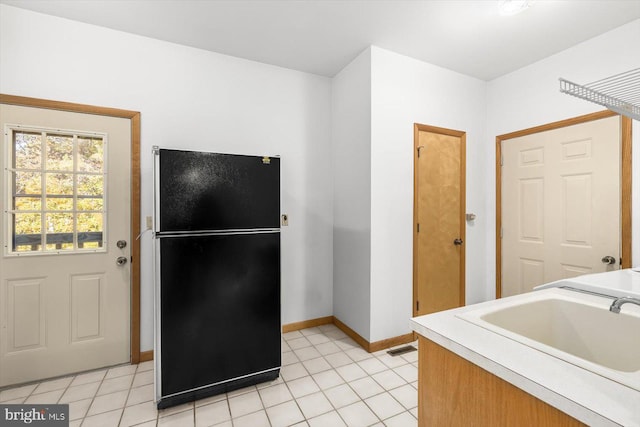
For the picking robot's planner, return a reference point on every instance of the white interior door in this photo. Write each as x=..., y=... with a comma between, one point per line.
x=560, y=204
x=64, y=301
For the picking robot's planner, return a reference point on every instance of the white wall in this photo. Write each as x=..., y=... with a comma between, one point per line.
x=407, y=91
x=199, y=100
x=530, y=96
x=376, y=100
x=195, y=99
x=351, y=156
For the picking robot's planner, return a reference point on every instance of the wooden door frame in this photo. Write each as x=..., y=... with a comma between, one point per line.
x=625, y=182
x=417, y=127
x=134, y=116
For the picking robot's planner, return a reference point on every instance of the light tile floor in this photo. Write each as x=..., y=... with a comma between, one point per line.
x=326, y=380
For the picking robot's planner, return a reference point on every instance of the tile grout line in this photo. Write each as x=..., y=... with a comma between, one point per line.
x=335, y=409
x=314, y=381
x=384, y=389
x=98, y=389
x=264, y=408
x=128, y=394
x=345, y=347
x=94, y=398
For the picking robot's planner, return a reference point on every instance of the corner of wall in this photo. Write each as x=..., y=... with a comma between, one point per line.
x=351, y=160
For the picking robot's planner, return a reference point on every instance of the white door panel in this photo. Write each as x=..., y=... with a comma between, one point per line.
x=560, y=204
x=66, y=312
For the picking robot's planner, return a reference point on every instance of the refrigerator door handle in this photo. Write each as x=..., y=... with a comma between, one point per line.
x=195, y=233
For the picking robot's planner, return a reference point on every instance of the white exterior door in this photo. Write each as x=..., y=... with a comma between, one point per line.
x=64, y=301
x=560, y=204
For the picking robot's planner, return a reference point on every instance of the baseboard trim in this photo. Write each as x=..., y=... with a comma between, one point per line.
x=352, y=334
x=391, y=342
x=372, y=347
x=146, y=356
x=296, y=326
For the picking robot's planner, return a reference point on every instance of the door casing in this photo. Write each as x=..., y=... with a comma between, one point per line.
x=625, y=183
x=134, y=117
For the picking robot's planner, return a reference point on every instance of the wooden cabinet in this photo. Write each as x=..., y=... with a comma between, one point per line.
x=454, y=392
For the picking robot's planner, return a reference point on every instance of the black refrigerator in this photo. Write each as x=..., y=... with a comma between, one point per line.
x=217, y=273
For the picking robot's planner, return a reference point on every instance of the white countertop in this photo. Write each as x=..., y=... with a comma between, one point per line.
x=584, y=395
x=619, y=283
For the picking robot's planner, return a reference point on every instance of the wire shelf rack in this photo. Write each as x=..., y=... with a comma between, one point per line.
x=619, y=93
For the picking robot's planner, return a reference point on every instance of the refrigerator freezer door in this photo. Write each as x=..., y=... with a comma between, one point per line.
x=209, y=191
x=220, y=308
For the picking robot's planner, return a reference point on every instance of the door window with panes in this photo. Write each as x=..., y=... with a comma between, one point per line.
x=57, y=191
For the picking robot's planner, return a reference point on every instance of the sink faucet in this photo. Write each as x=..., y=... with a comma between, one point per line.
x=617, y=304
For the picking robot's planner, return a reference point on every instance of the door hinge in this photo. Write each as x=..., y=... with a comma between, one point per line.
x=418, y=228
x=420, y=147
x=417, y=305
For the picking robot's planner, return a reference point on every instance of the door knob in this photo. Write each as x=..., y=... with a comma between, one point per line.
x=121, y=260
x=121, y=244
x=457, y=242
x=609, y=260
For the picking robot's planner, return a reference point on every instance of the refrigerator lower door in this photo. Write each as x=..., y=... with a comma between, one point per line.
x=219, y=314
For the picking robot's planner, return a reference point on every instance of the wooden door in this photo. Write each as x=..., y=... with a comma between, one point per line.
x=64, y=298
x=439, y=213
x=560, y=204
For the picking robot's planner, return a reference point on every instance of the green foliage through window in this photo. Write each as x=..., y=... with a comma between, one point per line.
x=57, y=202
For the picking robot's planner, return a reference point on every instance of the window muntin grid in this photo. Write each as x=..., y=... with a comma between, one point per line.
x=56, y=195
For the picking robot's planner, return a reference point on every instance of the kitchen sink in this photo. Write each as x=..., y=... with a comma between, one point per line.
x=579, y=329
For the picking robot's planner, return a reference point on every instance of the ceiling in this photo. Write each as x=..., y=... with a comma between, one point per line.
x=322, y=36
